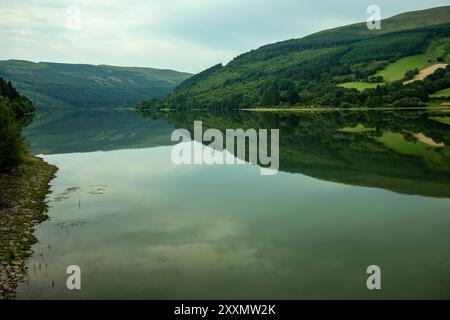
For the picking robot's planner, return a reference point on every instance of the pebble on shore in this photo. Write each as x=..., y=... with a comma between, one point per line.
x=23, y=204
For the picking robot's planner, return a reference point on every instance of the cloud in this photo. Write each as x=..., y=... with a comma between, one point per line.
x=188, y=35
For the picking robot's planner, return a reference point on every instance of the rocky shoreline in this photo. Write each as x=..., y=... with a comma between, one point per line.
x=22, y=206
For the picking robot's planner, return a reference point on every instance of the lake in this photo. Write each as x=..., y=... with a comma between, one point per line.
x=354, y=189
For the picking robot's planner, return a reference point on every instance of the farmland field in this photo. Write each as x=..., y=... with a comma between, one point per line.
x=396, y=70
x=361, y=86
x=439, y=48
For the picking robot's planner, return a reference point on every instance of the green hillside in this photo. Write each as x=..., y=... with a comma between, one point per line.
x=76, y=85
x=14, y=109
x=316, y=70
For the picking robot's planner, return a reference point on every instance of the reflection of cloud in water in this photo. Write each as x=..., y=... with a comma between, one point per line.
x=100, y=163
x=170, y=232
x=198, y=256
x=220, y=231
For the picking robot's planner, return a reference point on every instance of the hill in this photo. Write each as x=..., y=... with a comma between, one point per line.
x=309, y=71
x=81, y=85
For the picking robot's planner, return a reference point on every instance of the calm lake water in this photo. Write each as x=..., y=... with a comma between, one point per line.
x=354, y=189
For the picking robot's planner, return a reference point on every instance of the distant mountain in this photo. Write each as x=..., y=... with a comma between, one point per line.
x=329, y=68
x=82, y=85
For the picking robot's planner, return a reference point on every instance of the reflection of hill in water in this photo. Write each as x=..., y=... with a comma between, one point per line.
x=388, y=156
x=63, y=131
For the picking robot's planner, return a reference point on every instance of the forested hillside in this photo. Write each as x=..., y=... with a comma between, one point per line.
x=311, y=71
x=13, y=111
x=87, y=86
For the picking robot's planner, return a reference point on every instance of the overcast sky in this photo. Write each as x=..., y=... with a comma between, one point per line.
x=186, y=35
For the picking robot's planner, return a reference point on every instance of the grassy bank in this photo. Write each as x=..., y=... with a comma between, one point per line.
x=22, y=206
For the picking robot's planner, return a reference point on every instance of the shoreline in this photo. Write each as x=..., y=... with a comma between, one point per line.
x=442, y=107
x=321, y=109
x=22, y=206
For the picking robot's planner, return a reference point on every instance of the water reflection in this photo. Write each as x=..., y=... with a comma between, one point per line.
x=402, y=151
x=160, y=231
x=55, y=131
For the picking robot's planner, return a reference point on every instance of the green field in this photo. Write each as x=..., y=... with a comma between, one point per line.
x=439, y=48
x=442, y=93
x=396, y=70
x=361, y=86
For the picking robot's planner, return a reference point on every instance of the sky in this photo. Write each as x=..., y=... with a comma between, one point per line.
x=184, y=35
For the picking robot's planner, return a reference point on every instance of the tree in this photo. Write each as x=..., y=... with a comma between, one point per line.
x=12, y=144
x=270, y=94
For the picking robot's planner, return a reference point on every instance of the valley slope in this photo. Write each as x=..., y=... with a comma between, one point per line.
x=87, y=86
x=311, y=70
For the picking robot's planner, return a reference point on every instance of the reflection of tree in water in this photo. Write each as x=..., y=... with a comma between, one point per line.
x=312, y=143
